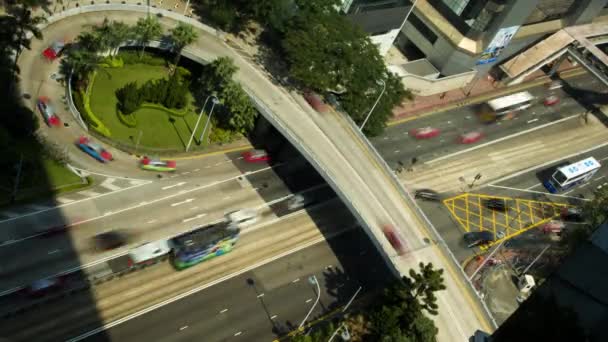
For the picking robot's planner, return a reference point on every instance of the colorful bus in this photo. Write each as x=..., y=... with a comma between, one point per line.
x=505, y=107
x=202, y=244
x=570, y=175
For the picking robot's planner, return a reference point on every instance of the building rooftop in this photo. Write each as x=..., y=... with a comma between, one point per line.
x=379, y=21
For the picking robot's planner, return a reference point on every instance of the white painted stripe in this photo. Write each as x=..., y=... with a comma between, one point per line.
x=9, y=214
x=138, y=182
x=500, y=139
x=172, y=186
x=238, y=333
x=151, y=221
x=309, y=300
x=273, y=316
x=260, y=295
x=535, y=192
x=38, y=206
x=113, y=176
x=534, y=186
x=62, y=200
x=184, y=327
x=182, y=202
x=88, y=193
x=108, y=184
x=53, y=251
x=196, y=170
x=533, y=120
x=194, y=218
x=223, y=311
x=193, y=291
x=295, y=280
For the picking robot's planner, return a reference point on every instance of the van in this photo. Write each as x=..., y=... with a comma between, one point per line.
x=242, y=218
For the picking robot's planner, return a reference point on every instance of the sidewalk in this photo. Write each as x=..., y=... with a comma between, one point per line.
x=496, y=160
x=479, y=90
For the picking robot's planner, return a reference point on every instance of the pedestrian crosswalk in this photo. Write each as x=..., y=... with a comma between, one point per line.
x=103, y=186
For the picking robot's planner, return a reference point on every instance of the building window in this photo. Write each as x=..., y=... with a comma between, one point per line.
x=422, y=28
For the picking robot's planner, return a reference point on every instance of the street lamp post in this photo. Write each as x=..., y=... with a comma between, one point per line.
x=374, y=106
x=214, y=101
x=312, y=280
x=200, y=115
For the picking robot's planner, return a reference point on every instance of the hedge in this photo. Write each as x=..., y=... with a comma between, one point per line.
x=132, y=57
x=171, y=112
x=96, y=124
x=112, y=62
x=128, y=120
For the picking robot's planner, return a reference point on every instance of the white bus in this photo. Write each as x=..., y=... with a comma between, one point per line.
x=570, y=175
x=511, y=103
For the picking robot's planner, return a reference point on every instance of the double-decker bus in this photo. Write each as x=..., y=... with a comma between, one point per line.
x=203, y=244
x=505, y=107
x=570, y=175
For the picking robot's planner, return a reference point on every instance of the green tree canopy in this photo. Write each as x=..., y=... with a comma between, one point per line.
x=181, y=36
x=111, y=34
x=146, y=30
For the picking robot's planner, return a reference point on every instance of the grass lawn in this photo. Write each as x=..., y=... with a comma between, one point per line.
x=159, y=129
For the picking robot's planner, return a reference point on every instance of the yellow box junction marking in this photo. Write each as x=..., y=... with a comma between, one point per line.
x=520, y=215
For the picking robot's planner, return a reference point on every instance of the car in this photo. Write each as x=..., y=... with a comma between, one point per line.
x=572, y=214
x=45, y=286
x=47, y=111
x=94, y=150
x=256, y=156
x=242, y=218
x=470, y=138
x=149, y=252
x=315, y=101
x=498, y=204
x=473, y=239
x=553, y=226
x=53, y=51
x=551, y=100
x=395, y=239
x=298, y=201
x=110, y=240
x=425, y=132
x=154, y=164
x=427, y=194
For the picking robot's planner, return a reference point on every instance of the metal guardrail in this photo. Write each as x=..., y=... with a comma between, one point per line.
x=75, y=112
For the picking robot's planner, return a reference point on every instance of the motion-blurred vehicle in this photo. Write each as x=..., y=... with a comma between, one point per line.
x=551, y=100
x=154, y=164
x=110, y=240
x=395, y=239
x=53, y=51
x=427, y=194
x=474, y=239
x=242, y=218
x=298, y=201
x=572, y=214
x=470, y=138
x=45, y=286
x=256, y=156
x=93, y=149
x=425, y=132
x=149, y=252
x=48, y=112
x=498, y=204
x=315, y=101
x=553, y=226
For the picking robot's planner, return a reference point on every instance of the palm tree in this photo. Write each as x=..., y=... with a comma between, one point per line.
x=181, y=36
x=112, y=34
x=145, y=30
x=24, y=24
x=80, y=62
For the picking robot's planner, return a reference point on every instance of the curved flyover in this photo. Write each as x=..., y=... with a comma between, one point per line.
x=339, y=152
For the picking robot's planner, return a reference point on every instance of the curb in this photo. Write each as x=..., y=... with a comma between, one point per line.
x=483, y=97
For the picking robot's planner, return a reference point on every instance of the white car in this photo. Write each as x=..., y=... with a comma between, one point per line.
x=242, y=218
x=149, y=251
x=298, y=201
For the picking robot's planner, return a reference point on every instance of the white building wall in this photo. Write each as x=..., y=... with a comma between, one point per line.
x=385, y=41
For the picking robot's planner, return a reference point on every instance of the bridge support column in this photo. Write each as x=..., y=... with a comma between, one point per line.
x=556, y=64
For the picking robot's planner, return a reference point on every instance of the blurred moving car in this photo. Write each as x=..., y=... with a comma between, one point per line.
x=551, y=100
x=256, y=156
x=47, y=111
x=427, y=194
x=473, y=239
x=154, y=164
x=298, y=201
x=470, y=138
x=572, y=214
x=498, y=204
x=395, y=239
x=53, y=51
x=315, y=101
x=553, y=226
x=110, y=240
x=94, y=150
x=45, y=286
x=242, y=218
x=425, y=132
x=149, y=252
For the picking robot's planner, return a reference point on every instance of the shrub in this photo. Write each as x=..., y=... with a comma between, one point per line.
x=176, y=91
x=91, y=119
x=172, y=112
x=129, y=98
x=222, y=136
x=133, y=57
x=128, y=120
x=112, y=62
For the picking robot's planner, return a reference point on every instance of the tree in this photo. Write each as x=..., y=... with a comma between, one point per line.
x=596, y=210
x=146, y=30
x=239, y=114
x=182, y=35
x=80, y=63
x=111, y=34
x=217, y=75
x=23, y=24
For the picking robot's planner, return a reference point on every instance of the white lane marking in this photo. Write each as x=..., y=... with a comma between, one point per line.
x=239, y=158
x=53, y=251
x=260, y=295
x=61, y=200
x=184, y=327
x=194, y=218
x=196, y=170
x=273, y=316
x=535, y=167
x=223, y=311
x=89, y=193
x=193, y=291
x=207, y=167
x=10, y=214
x=533, y=120
x=295, y=280
x=172, y=186
x=604, y=158
x=537, y=192
x=309, y=300
x=186, y=173
x=433, y=161
x=226, y=198
x=108, y=184
x=107, y=213
x=238, y=333
x=151, y=221
x=110, y=176
x=174, y=176
x=182, y=202
x=193, y=208
x=38, y=206
x=534, y=186
x=216, y=164
x=397, y=151
x=66, y=201
x=143, y=203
